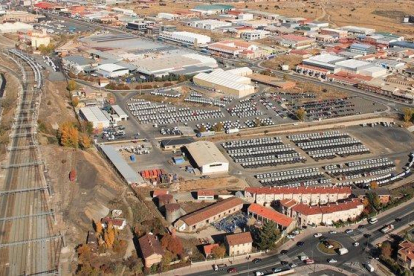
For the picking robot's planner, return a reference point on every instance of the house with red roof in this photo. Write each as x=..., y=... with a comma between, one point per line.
x=150, y=249
x=205, y=195
x=405, y=256
x=239, y=244
x=208, y=249
x=305, y=214
x=307, y=195
x=118, y=223
x=265, y=214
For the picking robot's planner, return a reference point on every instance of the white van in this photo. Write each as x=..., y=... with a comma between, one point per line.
x=369, y=267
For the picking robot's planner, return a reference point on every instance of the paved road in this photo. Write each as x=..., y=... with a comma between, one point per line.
x=350, y=262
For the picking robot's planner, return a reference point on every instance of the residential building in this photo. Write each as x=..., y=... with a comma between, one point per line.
x=383, y=194
x=265, y=214
x=150, y=249
x=39, y=38
x=205, y=156
x=201, y=218
x=208, y=249
x=118, y=223
x=239, y=244
x=306, y=195
x=304, y=214
x=405, y=255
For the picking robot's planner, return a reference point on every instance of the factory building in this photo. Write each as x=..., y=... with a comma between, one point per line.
x=334, y=32
x=112, y=70
x=254, y=34
x=233, y=48
x=364, y=68
x=357, y=31
x=213, y=9
x=361, y=48
x=296, y=41
x=207, y=157
x=324, y=61
x=187, y=38
x=99, y=118
x=15, y=27
x=208, y=24
x=231, y=82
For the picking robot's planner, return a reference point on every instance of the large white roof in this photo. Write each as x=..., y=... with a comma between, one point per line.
x=353, y=63
x=94, y=114
x=205, y=153
x=111, y=67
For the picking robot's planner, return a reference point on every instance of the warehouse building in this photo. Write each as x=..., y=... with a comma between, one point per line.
x=254, y=34
x=213, y=9
x=187, y=38
x=175, y=144
x=235, y=48
x=207, y=157
x=210, y=214
x=361, y=48
x=208, y=24
x=324, y=61
x=334, y=32
x=15, y=27
x=121, y=166
x=357, y=31
x=231, y=82
x=111, y=70
x=99, y=118
x=364, y=68
x=296, y=41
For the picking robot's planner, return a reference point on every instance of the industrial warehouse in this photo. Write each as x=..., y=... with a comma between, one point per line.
x=207, y=157
x=231, y=82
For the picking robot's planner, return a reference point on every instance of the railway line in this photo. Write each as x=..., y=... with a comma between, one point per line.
x=29, y=245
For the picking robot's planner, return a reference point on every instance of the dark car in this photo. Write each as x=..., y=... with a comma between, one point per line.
x=284, y=251
x=361, y=226
x=232, y=270
x=257, y=260
x=284, y=263
x=301, y=243
x=398, y=219
x=367, y=235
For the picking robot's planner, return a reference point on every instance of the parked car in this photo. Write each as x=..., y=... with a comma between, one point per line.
x=283, y=252
x=257, y=260
x=276, y=269
x=332, y=232
x=284, y=262
x=349, y=231
x=292, y=265
x=232, y=270
x=331, y=261
x=301, y=243
x=317, y=235
x=355, y=244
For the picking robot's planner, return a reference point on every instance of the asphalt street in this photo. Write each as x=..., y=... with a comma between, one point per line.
x=351, y=262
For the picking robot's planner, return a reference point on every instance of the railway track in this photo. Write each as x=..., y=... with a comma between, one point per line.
x=28, y=242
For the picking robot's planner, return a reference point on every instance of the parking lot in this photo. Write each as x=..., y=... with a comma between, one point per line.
x=210, y=111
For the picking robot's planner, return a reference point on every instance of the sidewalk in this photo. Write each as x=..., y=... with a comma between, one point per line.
x=206, y=266
x=308, y=269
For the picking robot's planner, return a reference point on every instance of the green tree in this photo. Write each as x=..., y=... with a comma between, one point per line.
x=267, y=236
x=374, y=200
x=386, y=249
x=300, y=114
x=166, y=260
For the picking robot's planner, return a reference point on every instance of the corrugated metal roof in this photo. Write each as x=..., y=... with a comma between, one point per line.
x=121, y=165
x=205, y=153
x=119, y=110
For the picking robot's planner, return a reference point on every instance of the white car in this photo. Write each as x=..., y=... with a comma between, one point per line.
x=317, y=235
x=290, y=237
x=332, y=232
x=355, y=244
x=292, y=265
x=331, y=261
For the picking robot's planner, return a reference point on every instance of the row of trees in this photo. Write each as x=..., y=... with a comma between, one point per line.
x=69, y=135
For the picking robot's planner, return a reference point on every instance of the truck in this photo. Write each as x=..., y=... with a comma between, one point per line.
x=369, y=267
x=342, y=251
x=206, y=133
x=232, y=130
x=387, y=228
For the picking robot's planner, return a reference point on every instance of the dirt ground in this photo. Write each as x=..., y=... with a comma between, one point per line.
x=224, y=183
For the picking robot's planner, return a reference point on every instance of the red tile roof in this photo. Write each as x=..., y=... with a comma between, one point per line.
x=326, y=209
x=159, y=192
x=270, y=214
x=299, y=190
x=115, y=221
x=150, y=245
x=212, y=210
x=288, y=203
x=406, y=248
x=239, y=238
x=206, y=193
x=295, y=37
x=209, y=247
